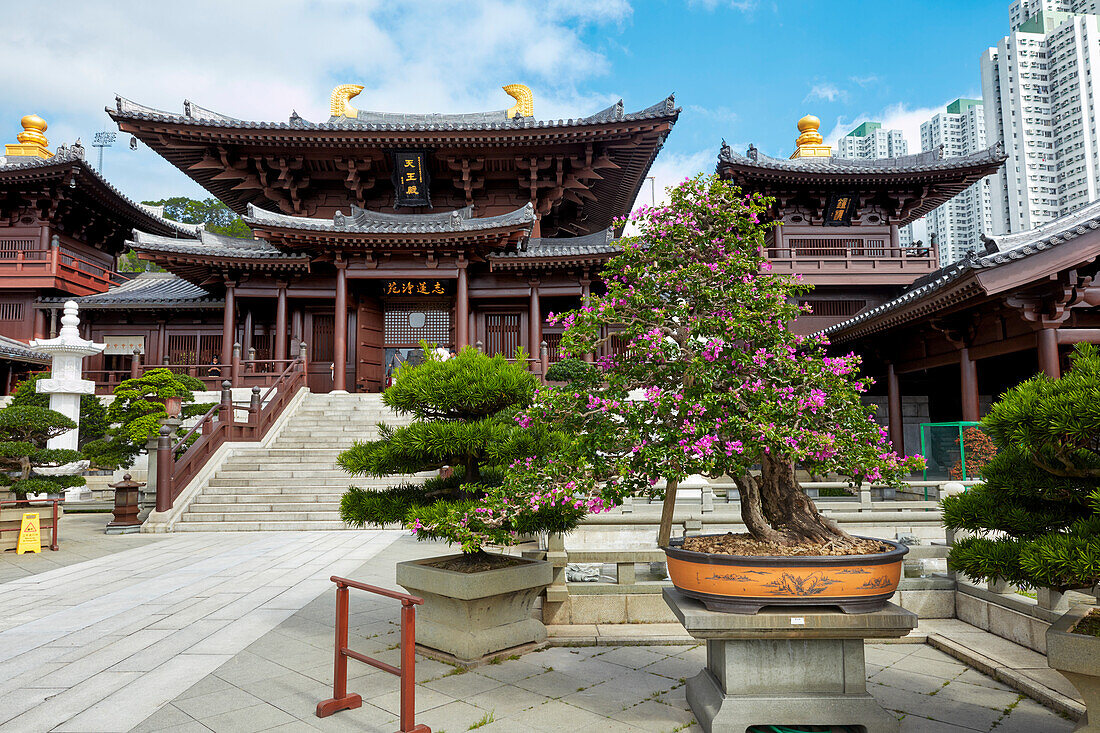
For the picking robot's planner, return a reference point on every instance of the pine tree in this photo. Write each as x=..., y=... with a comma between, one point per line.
x=24, y=432
x=1036, y=516
x=93, y=415
x=464, y=412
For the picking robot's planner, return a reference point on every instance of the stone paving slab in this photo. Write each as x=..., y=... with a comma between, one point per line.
x=589, y=686
x=107, y=643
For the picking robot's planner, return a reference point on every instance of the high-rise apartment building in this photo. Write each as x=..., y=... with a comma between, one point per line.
x=958, y=225
x=870, y=141
x=1041, y=101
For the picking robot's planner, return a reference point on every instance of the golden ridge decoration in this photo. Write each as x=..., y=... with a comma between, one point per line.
x=338, y=102
x=525, y=101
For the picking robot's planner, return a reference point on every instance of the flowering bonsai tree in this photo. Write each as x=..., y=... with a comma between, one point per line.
x=711, y=381
x=464, y=409
x=1035, y=518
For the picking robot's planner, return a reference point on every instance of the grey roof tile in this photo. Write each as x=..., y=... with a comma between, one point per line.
x=213, y=245
x=373, y=222
x=147, y=288
x=386, y=121
x=19, y=351
x=928, y=161
x=597, y=243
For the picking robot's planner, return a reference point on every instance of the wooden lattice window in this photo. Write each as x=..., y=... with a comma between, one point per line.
x=835, y=308
x=619, y=344
x=11, y=311
x=553, y=346
x=182, y=348
x=501, y=334
x=10, y=248
x=408, y=325
x=324, y=327
x=210, y=346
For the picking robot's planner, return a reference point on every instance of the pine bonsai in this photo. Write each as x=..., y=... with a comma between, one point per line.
x=712, y=381
x=1035, y=518
x=93, y=415
x=136, y=412
x=464, y=422
x=24, y=432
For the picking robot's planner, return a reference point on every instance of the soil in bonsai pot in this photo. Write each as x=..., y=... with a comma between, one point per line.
x=1089, y=624
x=744, y=544
x=476, y=562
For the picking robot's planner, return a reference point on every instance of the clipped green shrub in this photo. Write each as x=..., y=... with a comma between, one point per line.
x=568, y=370
x=93, y=415
x=1036, y=516
x=24, y=432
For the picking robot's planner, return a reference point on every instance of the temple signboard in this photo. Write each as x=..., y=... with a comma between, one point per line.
x=414, y=287
x=411, y=179
x=838, y=210
x=123, y=345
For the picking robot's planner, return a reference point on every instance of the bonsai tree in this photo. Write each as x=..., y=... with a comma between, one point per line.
x=1036, y=516
x=24, y=431
x=712, y=381
x=464, y=425
x=93, y=415
x=136, y=412
x=567, y=370
x=978, y=450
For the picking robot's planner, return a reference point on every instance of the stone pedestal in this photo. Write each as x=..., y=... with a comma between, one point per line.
x=795, y=666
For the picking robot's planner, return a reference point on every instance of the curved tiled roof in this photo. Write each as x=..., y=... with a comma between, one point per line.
x=19, y=351
x=213, y=245
x=1000, y=251
x=374, y=222
x=74, y=156
x=597, y=243
x=926, y=162
x=386, y=121
x=146, y=289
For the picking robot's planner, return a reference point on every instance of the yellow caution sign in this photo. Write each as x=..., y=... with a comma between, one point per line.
x=29, y=538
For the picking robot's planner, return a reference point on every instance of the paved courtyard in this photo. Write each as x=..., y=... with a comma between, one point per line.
x=233, y=633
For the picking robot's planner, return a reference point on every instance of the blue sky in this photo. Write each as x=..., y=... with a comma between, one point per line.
x=743, y=70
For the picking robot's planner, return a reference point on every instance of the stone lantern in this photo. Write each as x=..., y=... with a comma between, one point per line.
x=65, y=386
x=126, y=507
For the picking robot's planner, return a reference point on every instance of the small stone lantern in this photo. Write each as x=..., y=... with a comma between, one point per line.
x=126, y=507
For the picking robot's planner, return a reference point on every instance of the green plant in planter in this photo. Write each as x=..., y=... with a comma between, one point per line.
x=1036, y=516
x=712, y=381
x=568, y=370
x=464, y=409
x=93, y=415
x=136, y=412
x=24, y=432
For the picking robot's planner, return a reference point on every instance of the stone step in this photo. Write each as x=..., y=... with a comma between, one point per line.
x=270, y=500
x=261, y=506
x=263, y=526
x=263, y=516
x=302, y=485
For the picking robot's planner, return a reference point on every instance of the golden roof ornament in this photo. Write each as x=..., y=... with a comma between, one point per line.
x=32, y=141
x=810, y=143
x=339, y=105
x=525, y=101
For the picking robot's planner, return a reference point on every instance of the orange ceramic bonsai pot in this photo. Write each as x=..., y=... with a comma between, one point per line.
x=745, y=584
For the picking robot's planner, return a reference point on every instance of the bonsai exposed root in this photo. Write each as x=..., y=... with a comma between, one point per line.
x=775, y=509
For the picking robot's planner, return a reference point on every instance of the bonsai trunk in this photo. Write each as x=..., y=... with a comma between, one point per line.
x=775, y=509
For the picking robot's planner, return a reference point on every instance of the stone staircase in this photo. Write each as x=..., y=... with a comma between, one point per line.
x=294, y=484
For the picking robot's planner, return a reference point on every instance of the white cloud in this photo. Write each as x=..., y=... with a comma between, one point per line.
x=894, y=117
x=826, y=91
x=258, y=60
x=863, y=81
x=742, y=5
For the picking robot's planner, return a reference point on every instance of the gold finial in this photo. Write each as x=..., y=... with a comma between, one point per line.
x=525, y=101
x=338, y=102
x=810, y=143
x=32, y=141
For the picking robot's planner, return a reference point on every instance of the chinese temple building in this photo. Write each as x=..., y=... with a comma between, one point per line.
x=372, y=232
x=839, y=218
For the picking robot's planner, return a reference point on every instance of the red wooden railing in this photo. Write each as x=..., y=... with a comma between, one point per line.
x=180, y=461
x=56, y=262
x=41, y=525
x=340, y=699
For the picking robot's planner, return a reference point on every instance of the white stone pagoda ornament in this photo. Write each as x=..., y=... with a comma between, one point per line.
x=66, y=385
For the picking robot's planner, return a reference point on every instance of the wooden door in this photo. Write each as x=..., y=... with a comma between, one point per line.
x=369, y=351
x=320, y=327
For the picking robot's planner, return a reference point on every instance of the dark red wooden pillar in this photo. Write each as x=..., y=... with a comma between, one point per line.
x=893, y=408
x=340, y=329
x=229, y=323
x=969, y=372
x=39, y=323
x=280, y=325
x=535, y=320
x=462, y=310
x=1049, y=361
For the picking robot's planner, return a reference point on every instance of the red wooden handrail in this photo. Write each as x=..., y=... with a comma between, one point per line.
x=53, y=502
x=340, y=699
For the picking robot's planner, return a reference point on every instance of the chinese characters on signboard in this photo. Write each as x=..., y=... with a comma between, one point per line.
x=413, y=287
x=838, y=210
x=411, y=179
x=123, y=345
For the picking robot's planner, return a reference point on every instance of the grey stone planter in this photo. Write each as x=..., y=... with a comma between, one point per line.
x=471, y=616
x=1077, y=658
